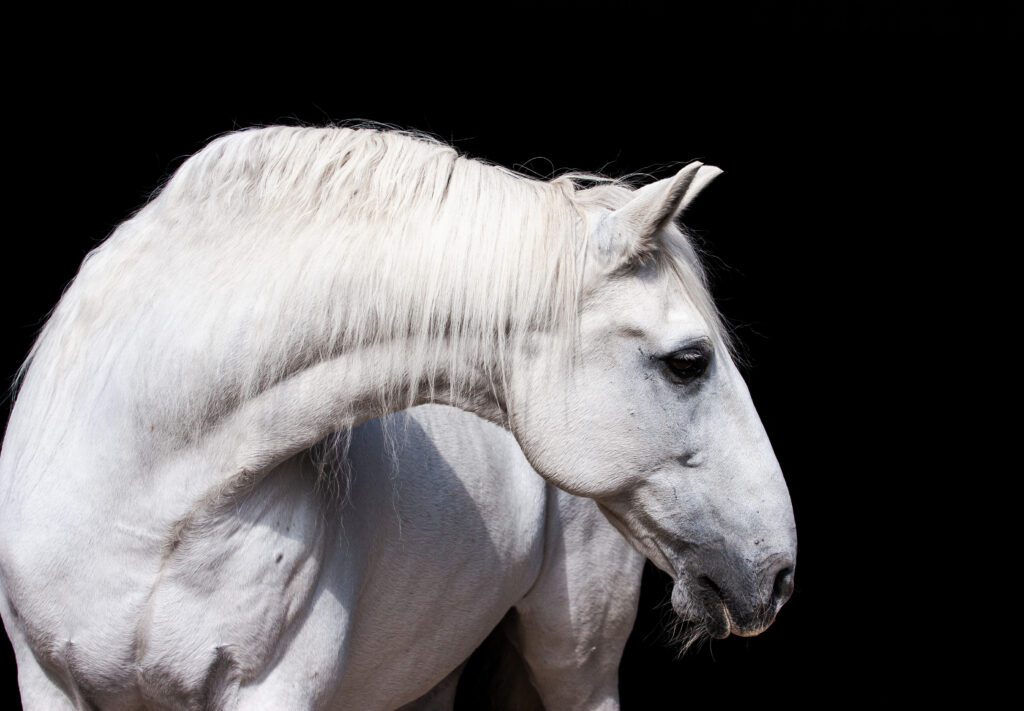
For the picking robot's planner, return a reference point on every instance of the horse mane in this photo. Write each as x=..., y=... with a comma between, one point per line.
x=363, y=233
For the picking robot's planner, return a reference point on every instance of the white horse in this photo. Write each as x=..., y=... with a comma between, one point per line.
x=288, y=283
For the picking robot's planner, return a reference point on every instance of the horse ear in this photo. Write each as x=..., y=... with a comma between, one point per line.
x=637, y=223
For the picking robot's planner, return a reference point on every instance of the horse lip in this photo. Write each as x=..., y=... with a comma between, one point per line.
x=730, y=627
x=740, y=632
x=729, y=623
x=718, y=617
x=719, y=623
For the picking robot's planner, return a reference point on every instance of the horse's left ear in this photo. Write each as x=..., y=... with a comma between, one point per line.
x=654, y=205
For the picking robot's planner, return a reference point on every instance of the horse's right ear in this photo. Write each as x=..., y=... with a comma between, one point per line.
x=633, y=228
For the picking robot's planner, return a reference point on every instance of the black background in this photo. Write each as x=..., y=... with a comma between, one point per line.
x=862, y=146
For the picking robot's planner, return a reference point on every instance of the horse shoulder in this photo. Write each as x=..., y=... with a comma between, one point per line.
x=230, y=588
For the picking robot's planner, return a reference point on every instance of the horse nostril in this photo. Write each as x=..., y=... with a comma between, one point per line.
x=783, y=587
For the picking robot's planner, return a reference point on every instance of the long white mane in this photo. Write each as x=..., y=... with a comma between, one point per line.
x=274, y=248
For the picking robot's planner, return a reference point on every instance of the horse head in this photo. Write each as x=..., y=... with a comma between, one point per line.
x=653, y=420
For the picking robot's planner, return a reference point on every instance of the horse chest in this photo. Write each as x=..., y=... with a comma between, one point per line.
x=451, y=554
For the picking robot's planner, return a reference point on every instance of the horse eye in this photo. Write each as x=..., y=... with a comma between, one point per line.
x=689, y=363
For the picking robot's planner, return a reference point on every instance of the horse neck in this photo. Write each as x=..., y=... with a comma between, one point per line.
x=194, y=359
x=327, y=387
x=340, y=393
x=238, y=322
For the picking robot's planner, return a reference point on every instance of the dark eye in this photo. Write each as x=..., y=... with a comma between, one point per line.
x=689, y=363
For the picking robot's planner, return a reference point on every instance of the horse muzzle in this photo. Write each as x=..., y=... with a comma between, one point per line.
x=731, y=597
